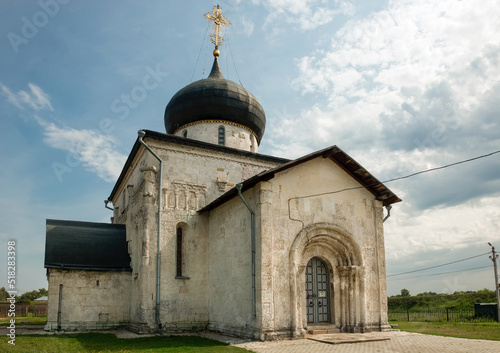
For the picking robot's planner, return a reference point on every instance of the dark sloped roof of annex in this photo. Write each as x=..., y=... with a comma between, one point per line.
x=73, y=245
x=188, y=142
x=336, y=155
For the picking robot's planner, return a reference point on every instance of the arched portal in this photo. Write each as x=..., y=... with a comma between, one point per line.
x=332, y=252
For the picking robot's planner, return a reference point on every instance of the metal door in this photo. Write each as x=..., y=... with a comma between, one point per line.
x=317, y=291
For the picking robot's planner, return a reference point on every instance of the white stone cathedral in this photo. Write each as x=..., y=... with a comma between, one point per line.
x=208, y=234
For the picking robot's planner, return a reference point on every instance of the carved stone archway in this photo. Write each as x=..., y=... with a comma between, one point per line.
x=339, y=251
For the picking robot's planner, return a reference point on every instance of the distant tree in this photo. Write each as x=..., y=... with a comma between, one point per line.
x=405, y=292
x=3, y=294
x=426, y=294
x=34, y=294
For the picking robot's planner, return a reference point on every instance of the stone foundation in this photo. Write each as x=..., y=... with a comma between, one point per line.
x=84, y=326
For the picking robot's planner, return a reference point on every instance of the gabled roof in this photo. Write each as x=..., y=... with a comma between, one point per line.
x=192, y=143
x=86, y=246
x=336, y=155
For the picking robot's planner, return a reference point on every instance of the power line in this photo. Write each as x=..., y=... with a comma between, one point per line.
x=443, y=167
x=199, y=54
x=441, y=273
x=399, y=178
x=428, y=268
x=232, y=57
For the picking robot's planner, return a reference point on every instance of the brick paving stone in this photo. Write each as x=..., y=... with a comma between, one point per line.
x=400, y=342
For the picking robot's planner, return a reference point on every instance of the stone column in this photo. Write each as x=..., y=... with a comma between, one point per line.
x=147, y=271
x=352, y=298
x=344, y=292
x=265, y=268
x=380, y=265
x=362, y=297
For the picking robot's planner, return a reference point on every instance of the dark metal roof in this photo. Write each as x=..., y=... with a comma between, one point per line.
x=215, y=98
x=336, y=155
x=193, y=143
x=86, y=246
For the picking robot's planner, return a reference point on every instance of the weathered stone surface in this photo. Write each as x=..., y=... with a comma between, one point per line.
x=342, y=228
x=236, y=136
x=90, y=299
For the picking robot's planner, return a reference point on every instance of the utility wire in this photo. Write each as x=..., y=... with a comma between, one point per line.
x=199, y=54
x=444, y=166
x=428, y=268
x=438, y=274
x=399, y=178
x=232, y=57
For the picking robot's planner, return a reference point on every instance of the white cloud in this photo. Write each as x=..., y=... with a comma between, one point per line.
x=248, y=26
x=406, y=89
x=305, y=14
x=418, y=75
x=36, y=98
x=413, y=43
x=467, y=225
x=94, y=151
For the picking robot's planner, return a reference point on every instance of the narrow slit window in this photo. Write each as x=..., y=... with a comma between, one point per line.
x=179, y=252
x=222, y=136
x=185, y=133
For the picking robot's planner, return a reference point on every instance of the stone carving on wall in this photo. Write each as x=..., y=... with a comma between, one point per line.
x=192, y=200
x=221, y=183
x=149, y=174
x=249, y=170
x=185, y=196
x=221, y=179
x=171, y=199
x=181, y=200
x=129, y=194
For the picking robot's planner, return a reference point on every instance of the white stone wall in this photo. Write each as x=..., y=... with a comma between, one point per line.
x=230, y=271
x=91, y=300
x=344, y=229
x=192, y=177
x=236, y=136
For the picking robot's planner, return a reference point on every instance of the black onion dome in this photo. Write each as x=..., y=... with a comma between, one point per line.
x=215, y=98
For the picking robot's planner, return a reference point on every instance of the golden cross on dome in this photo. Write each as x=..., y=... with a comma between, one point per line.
x=218, y=20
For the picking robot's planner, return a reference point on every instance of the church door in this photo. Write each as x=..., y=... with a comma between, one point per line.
x=317, y=291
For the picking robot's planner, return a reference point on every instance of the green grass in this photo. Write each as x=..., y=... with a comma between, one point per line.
x=39, y=320
x=483, y=331
x=100, y=342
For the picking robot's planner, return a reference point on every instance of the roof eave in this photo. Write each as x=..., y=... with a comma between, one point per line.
x=88, y=268
x=188, y=142
x=336, y=155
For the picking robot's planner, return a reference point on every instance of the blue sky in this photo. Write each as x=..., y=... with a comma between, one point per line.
x=401, y=86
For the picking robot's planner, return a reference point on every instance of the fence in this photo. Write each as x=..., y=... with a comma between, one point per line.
x=22, y=309
x=467, y=315
x=40, y=309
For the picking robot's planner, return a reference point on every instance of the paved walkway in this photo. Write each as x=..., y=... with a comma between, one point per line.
x=392, y=342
